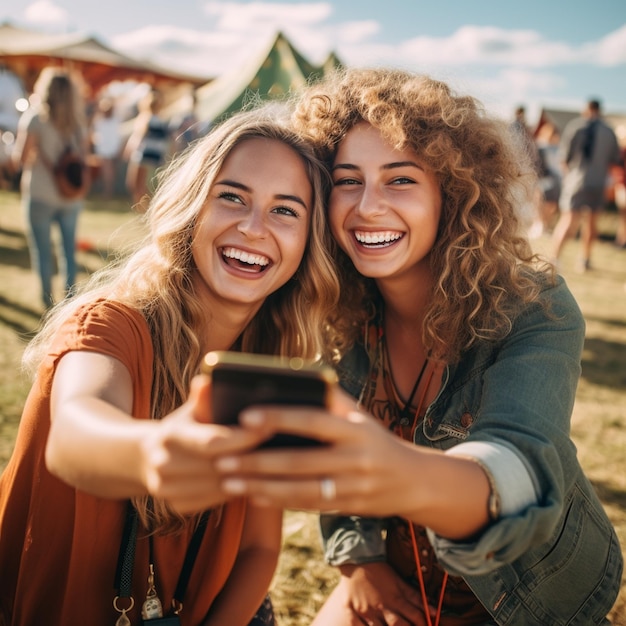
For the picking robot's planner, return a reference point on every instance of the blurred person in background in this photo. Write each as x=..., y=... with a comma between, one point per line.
x=106, y=138
x=45, y=130
x=547, y=139
x=147, y=148
x=588, y=150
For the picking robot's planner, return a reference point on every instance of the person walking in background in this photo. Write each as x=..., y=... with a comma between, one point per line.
x=147, y=148
x=54, y=122
x=588, y=149
x=118, y=414
x=451, y=489
x=547, y=139
x=106, y=139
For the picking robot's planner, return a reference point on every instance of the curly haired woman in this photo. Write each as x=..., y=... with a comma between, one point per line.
x=461, y=497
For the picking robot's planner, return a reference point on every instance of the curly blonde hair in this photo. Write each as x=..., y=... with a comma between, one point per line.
x=483, y=267
x=157, y=279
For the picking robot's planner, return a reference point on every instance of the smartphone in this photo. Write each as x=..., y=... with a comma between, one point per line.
x=239, y=380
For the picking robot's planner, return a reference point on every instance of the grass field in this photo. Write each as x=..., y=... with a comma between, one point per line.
x=302, y=580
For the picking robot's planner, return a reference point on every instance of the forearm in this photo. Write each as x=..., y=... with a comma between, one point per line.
x=245, y=589
x=450, y=497
x=459, y=513
x=103, y=454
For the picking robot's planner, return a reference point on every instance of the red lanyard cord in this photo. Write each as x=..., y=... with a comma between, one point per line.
x=420, y=577
x=416, y=553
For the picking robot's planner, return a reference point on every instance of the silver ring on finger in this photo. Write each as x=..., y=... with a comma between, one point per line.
x=328, y=489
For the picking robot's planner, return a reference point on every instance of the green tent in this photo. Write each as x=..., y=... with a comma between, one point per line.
x=276, y=72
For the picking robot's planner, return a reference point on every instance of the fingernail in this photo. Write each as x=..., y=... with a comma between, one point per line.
x=251, y=418
x=227, y=464
x=234, y=486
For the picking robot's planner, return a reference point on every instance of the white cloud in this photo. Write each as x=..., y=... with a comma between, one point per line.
x=198, y=52
x=609, y=51
x=473, y=45
x=234, y=16
x=356, y=32
x=46, y=12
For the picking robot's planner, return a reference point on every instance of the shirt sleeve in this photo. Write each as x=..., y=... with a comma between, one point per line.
x=352, y=539
x=113, y=329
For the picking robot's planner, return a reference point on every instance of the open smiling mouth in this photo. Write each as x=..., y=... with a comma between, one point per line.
x=246, y=261
x=380, y=239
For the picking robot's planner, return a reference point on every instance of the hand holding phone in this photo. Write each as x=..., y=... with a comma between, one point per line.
x=240, y=380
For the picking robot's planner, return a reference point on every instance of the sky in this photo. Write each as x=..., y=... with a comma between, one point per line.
x=535, y=53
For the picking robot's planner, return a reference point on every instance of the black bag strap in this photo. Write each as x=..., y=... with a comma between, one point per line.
x=126, y=556
x=190, y=558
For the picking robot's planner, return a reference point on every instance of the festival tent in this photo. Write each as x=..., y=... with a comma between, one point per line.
x=561, y=117
x=27, y=52
x=277, y=71
x=331, y=63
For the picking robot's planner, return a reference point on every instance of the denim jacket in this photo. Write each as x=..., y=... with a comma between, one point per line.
x=558, y=561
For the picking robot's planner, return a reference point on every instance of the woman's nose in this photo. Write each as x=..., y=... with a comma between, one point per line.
x=253, y=224
x=370, y=202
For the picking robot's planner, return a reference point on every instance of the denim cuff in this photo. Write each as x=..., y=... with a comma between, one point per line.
x=511, y=478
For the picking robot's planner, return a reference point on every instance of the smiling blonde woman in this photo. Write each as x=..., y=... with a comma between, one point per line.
x=237, y=258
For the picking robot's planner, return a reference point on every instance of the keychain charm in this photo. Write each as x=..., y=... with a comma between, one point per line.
x=152, y=607
x=123, y=620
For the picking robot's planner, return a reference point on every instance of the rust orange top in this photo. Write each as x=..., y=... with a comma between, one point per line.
x=58, y=545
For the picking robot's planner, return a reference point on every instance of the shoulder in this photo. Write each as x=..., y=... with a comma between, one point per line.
x=556, y=291
x=30, y=121
x=608, y=130
x=106, y=326
x=555, y=309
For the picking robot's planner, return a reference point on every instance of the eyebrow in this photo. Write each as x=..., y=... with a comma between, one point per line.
x=386, y=166
x=278, y=196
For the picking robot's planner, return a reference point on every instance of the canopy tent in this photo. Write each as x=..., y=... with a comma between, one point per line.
x=561, y=117
x=27, y=52
x=280, y=69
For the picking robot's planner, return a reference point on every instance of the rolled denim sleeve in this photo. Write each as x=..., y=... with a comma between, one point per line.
x=517, y=490
x=353, y=539
x=516, y=484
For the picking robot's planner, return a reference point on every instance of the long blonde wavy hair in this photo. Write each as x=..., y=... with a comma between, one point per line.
x=157, y=279
x=484, y=268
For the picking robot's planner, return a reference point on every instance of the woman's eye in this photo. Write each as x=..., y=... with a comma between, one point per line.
x=286, y=210
x=346, y=181
x=402, y=180
x=230, y=196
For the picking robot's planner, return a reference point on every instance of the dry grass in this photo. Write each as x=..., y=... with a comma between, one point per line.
x=302, y=580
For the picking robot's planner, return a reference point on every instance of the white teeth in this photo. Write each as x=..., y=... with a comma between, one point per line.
x=385, y=236
x=245, y=257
